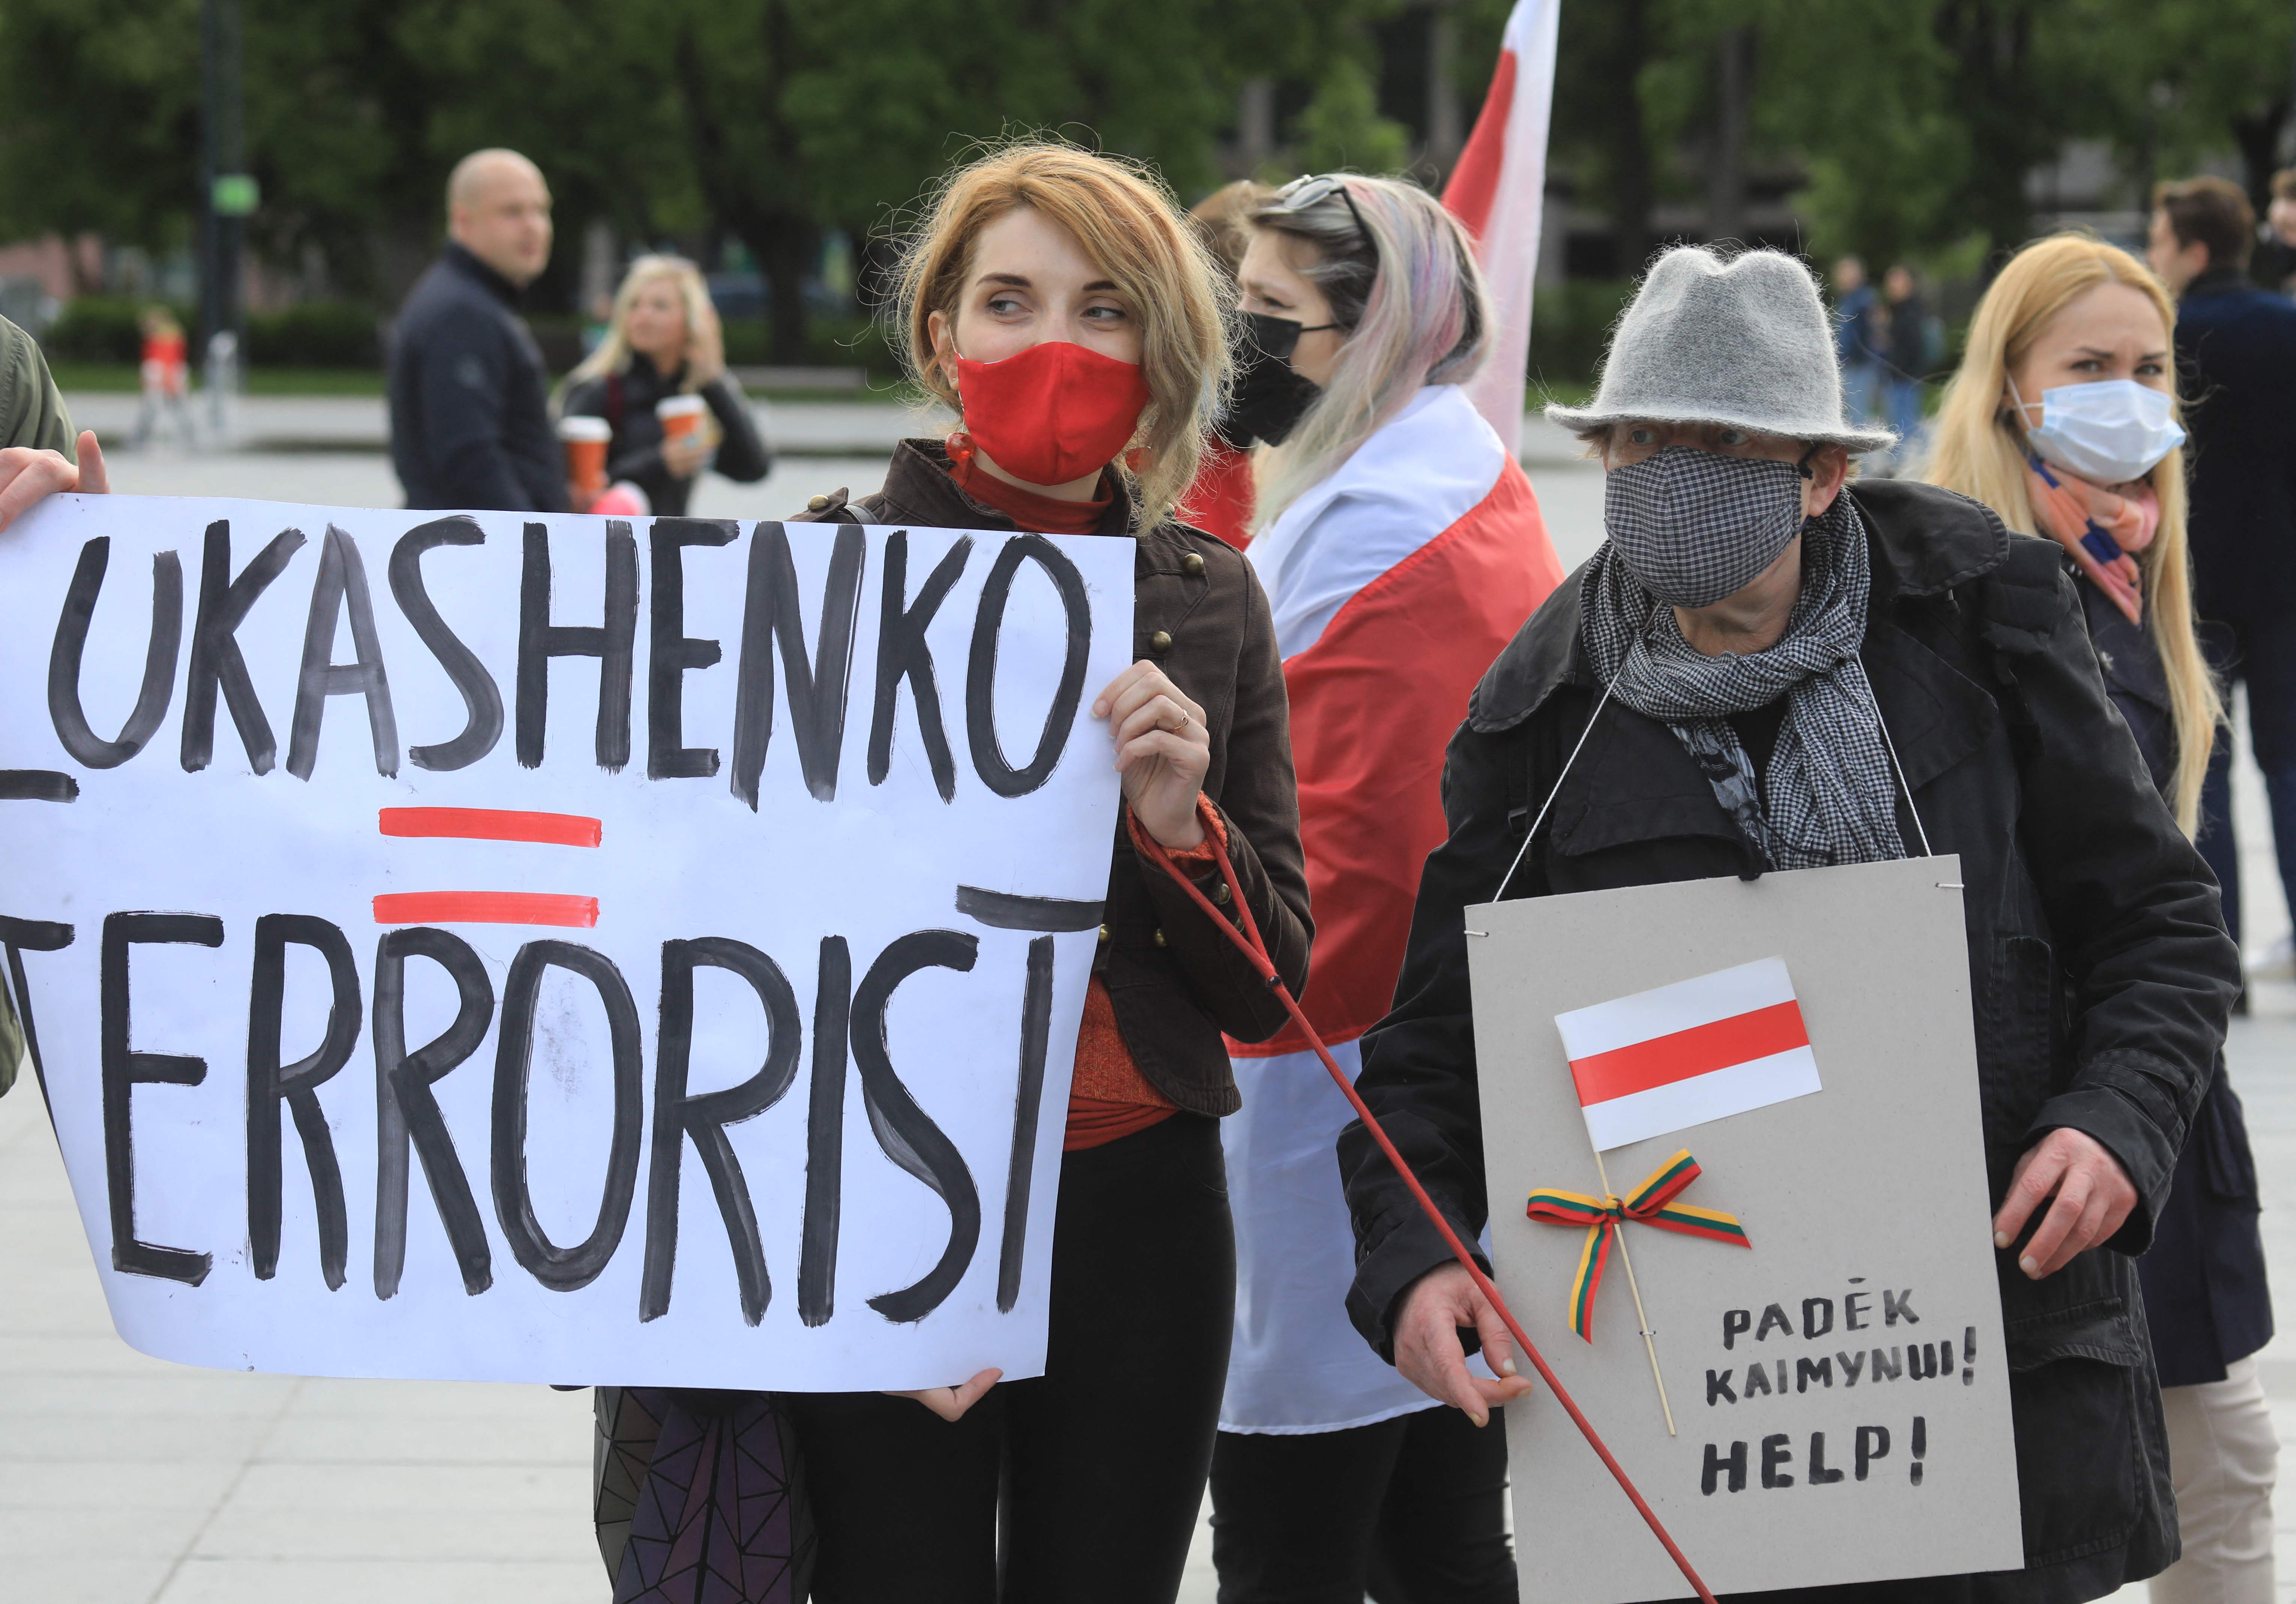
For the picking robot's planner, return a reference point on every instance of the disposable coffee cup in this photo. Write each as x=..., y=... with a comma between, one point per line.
x=586, y=439
x=682, y=417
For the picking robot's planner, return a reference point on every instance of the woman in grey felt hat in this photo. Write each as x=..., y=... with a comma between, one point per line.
x=1768, y=666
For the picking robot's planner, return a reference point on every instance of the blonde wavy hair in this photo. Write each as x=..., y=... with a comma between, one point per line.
x=613, y=352
x=1127, y=221
x=1977, y=448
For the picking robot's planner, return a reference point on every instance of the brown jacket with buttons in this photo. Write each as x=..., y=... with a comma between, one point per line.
x=1198, y=614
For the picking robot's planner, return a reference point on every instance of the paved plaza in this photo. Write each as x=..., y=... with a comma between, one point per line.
x=127, y=1480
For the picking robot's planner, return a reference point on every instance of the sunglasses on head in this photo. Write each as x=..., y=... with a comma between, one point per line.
x=1302, y=193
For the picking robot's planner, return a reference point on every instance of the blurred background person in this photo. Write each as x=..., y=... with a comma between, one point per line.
x=2099, y=471
x=662, y=344
x=1219, y=503
x=165, y=373
x=470, y=401
x=1401, y=547
x=1858, y=339
x=2273, y=265
x=2237, y=349
x=1911, y=353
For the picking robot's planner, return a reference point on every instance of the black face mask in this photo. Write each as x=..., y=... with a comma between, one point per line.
x=1269, y=397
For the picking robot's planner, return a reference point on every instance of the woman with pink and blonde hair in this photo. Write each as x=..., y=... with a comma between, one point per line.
x=1401, y=548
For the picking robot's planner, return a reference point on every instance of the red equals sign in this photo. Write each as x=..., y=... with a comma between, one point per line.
x=489, y=907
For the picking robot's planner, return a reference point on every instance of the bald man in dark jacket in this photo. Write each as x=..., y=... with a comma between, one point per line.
x=470, y=409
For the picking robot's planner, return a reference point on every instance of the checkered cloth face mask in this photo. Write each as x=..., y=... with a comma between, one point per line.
x=1696, y=526
x=1831, y=795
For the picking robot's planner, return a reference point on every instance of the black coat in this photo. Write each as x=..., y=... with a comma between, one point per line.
x=1909, y=338
x=1198, y=613
x=626, y=401
x=2100, y=971
x=2205, y=1294
x=470, y=400
x=2236, y=358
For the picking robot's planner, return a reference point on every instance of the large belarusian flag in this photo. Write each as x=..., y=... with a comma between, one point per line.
x=1498, y=190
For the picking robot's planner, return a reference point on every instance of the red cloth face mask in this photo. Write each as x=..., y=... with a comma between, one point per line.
x=1053, y=412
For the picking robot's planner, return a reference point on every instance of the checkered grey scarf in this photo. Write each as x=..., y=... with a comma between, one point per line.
x=1831, y=792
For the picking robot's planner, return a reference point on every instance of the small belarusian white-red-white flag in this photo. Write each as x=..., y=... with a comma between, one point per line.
x=1498, y=190
x=1680, y=1055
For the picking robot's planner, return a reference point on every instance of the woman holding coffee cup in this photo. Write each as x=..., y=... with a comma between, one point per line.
x=658, y=381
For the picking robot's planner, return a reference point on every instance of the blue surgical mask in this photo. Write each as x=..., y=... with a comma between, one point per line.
x=2109, y=432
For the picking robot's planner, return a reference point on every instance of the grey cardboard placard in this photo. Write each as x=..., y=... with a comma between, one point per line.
x=1868, y=1214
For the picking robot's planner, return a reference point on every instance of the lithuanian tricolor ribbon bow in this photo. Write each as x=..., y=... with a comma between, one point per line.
x=1650, y=1204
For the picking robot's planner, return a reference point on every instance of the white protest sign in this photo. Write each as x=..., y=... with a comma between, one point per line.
x=559, y=949
x=1841, y=1389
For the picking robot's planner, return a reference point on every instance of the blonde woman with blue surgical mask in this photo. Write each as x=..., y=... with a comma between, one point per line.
x=2064, y=420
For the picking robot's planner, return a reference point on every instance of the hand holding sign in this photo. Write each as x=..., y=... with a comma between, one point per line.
x=1163, y=749
x=770, y=1099
x=950, y=1402
x=28, y=477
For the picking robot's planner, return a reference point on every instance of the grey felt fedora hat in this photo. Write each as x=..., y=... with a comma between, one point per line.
x=1744, y=341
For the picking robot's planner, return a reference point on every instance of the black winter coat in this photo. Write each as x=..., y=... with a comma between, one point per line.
x=2236, y=358
x=626, y=401
x=2101, y=974
x=2205, y=1295
x=470, y=401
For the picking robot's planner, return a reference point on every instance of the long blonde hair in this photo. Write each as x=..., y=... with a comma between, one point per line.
x=1978, y=450
x=1128, y=223
x=613, y=352
x=1404, y=286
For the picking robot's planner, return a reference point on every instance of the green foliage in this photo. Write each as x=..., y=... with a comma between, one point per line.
x=1915, y=123
x=1571, y=327
x=1342, y=126
x=855, y=340
x=101, y=328
x=770, y=122
x=767, y=120
x=316, y=334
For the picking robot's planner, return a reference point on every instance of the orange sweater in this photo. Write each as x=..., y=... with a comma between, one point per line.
x=1110, y=1097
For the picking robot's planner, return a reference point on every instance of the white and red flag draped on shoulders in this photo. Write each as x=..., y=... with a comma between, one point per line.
x=1394, y=584
x=1498, y=190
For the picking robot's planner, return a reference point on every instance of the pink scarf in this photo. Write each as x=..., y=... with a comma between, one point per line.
x=2103, y=530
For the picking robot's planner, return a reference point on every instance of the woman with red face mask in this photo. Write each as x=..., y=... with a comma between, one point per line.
x=1059, y=304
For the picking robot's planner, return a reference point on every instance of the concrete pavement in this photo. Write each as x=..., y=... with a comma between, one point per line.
x=277, y=423
x=127, y=1480
x=809, y=428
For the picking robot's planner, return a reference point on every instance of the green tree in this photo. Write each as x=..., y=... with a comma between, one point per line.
x=101, y=130
x=2174, y=81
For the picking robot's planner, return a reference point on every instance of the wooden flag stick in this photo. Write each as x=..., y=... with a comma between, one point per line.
x=1641, y=1319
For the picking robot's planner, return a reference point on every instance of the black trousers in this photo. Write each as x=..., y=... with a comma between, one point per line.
x=1411, y=1510
x=1095, y=1470
x=2263, y=653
